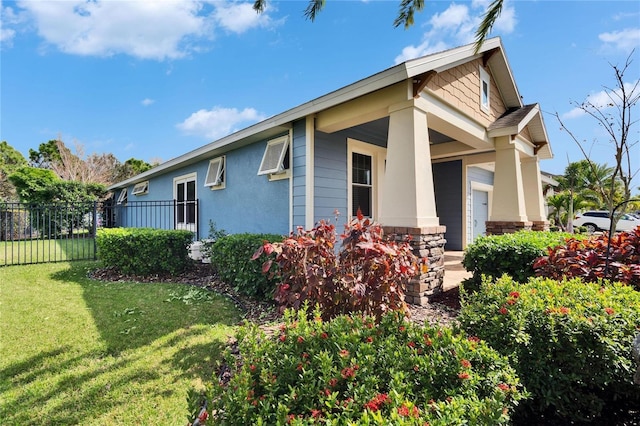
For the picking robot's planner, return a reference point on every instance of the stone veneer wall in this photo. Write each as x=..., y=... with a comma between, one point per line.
x=507, y=227
x=427, y=243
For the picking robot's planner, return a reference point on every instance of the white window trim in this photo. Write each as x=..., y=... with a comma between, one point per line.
x=378, y=156
x=141, y=188
x=279, y=169
x=122, y=198
x=186, y=178
x=485, y=78
x=218, y=166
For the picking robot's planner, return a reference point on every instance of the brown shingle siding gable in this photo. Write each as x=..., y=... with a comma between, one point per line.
x=460, y=87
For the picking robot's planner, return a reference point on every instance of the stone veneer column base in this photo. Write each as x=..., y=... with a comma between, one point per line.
x=540, y=225
x=506, y=227
x=427, y=243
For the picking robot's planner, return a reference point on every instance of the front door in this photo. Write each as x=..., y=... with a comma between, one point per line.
x=480, y=212
x=186, y=216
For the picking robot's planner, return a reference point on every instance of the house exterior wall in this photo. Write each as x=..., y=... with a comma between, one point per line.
x=299, y=174
x=248, y=203
x=330, y=164
x=478, y=175
x=460, y=87
x=447, y=180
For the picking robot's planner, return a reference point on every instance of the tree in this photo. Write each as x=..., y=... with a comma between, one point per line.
x=406, y=13
x=10, y=160
x=129, y=168
x=617, y=120
x=76, y=166
x=47, y=153
x=42, y=188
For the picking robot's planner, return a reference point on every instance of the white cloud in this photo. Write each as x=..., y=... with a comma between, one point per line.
x=9, y=21
x=147, y=102
x=145, y=29
x=625, y=40
x=602, y=100
x=457, y=25
x=240, y=17
x=218, y=121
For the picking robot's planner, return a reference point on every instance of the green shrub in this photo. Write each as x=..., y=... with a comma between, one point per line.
x=570, y=341
x=587, y=259
x=352, y=370
x=144, y=251
x=231, y=259
x=367, y=275
x=215, y=234
x=511, y=254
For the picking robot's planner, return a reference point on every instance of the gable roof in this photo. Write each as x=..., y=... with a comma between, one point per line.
x=514, y=121
x=491, y=51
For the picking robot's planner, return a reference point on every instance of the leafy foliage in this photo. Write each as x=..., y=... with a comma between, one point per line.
x=586, y=259
x=569, y=341
x=231, y=259
x=10, y=160
x=367, y=275
x=351, y=370
x=512, y=254
x=58, y=206
x=46, y=154
x=144, y=251
x=41, y=186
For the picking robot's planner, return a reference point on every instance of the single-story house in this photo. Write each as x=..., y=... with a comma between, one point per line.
x=439, y=147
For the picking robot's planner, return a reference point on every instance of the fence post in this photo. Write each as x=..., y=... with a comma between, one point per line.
x=94, y=230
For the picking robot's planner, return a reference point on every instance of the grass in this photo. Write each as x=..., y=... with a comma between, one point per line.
x=78, y=351
x=46, y=250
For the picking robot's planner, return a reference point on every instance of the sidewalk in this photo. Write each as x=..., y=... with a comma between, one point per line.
x=454, y=272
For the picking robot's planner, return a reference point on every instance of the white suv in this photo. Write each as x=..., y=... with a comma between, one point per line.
x=598, y=220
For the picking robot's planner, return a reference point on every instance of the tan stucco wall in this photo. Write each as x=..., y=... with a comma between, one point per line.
x=460, y=87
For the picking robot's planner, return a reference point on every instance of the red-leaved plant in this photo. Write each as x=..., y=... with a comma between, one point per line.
x=586, y=259
x=367, y=275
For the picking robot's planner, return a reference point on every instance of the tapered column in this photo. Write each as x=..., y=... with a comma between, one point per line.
x=409, y=198
x=534, y=200
x=409, y=202
x=509, y=212
x=508, y=190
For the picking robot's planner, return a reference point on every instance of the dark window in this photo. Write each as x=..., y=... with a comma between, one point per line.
x=362, y=186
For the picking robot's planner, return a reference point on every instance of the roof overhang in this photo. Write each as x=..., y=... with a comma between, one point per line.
x=491, y=51
x=514, y=121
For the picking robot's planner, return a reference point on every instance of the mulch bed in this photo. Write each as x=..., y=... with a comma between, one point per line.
x=443, y=309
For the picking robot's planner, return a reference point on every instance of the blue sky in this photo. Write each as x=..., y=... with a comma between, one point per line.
x=155, y=79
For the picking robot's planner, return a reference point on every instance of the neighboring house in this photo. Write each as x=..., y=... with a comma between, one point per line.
x=440, y=148
x=549, y=185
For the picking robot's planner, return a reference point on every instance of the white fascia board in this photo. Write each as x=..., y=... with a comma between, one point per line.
x=450, y=58
x=516, y=129
x=377, y=81
x=370, y=84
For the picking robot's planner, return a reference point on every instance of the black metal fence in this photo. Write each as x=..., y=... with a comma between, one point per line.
x=66, y=231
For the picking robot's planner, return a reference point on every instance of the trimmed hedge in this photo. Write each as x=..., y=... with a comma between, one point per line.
x=511, y=254
x=352, y=371
x=231, y=259
x=570, y=343
x=144, y=251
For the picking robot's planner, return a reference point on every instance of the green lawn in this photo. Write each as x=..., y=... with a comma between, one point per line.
x=45, y=250
x=79, y=351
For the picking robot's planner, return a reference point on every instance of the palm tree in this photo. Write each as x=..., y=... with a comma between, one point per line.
x=563, y=204
x=405, y=17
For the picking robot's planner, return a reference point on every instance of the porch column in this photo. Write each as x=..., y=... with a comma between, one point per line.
x=409, y=203
x=509, y=211
x=534, y=200
x=409, y=198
